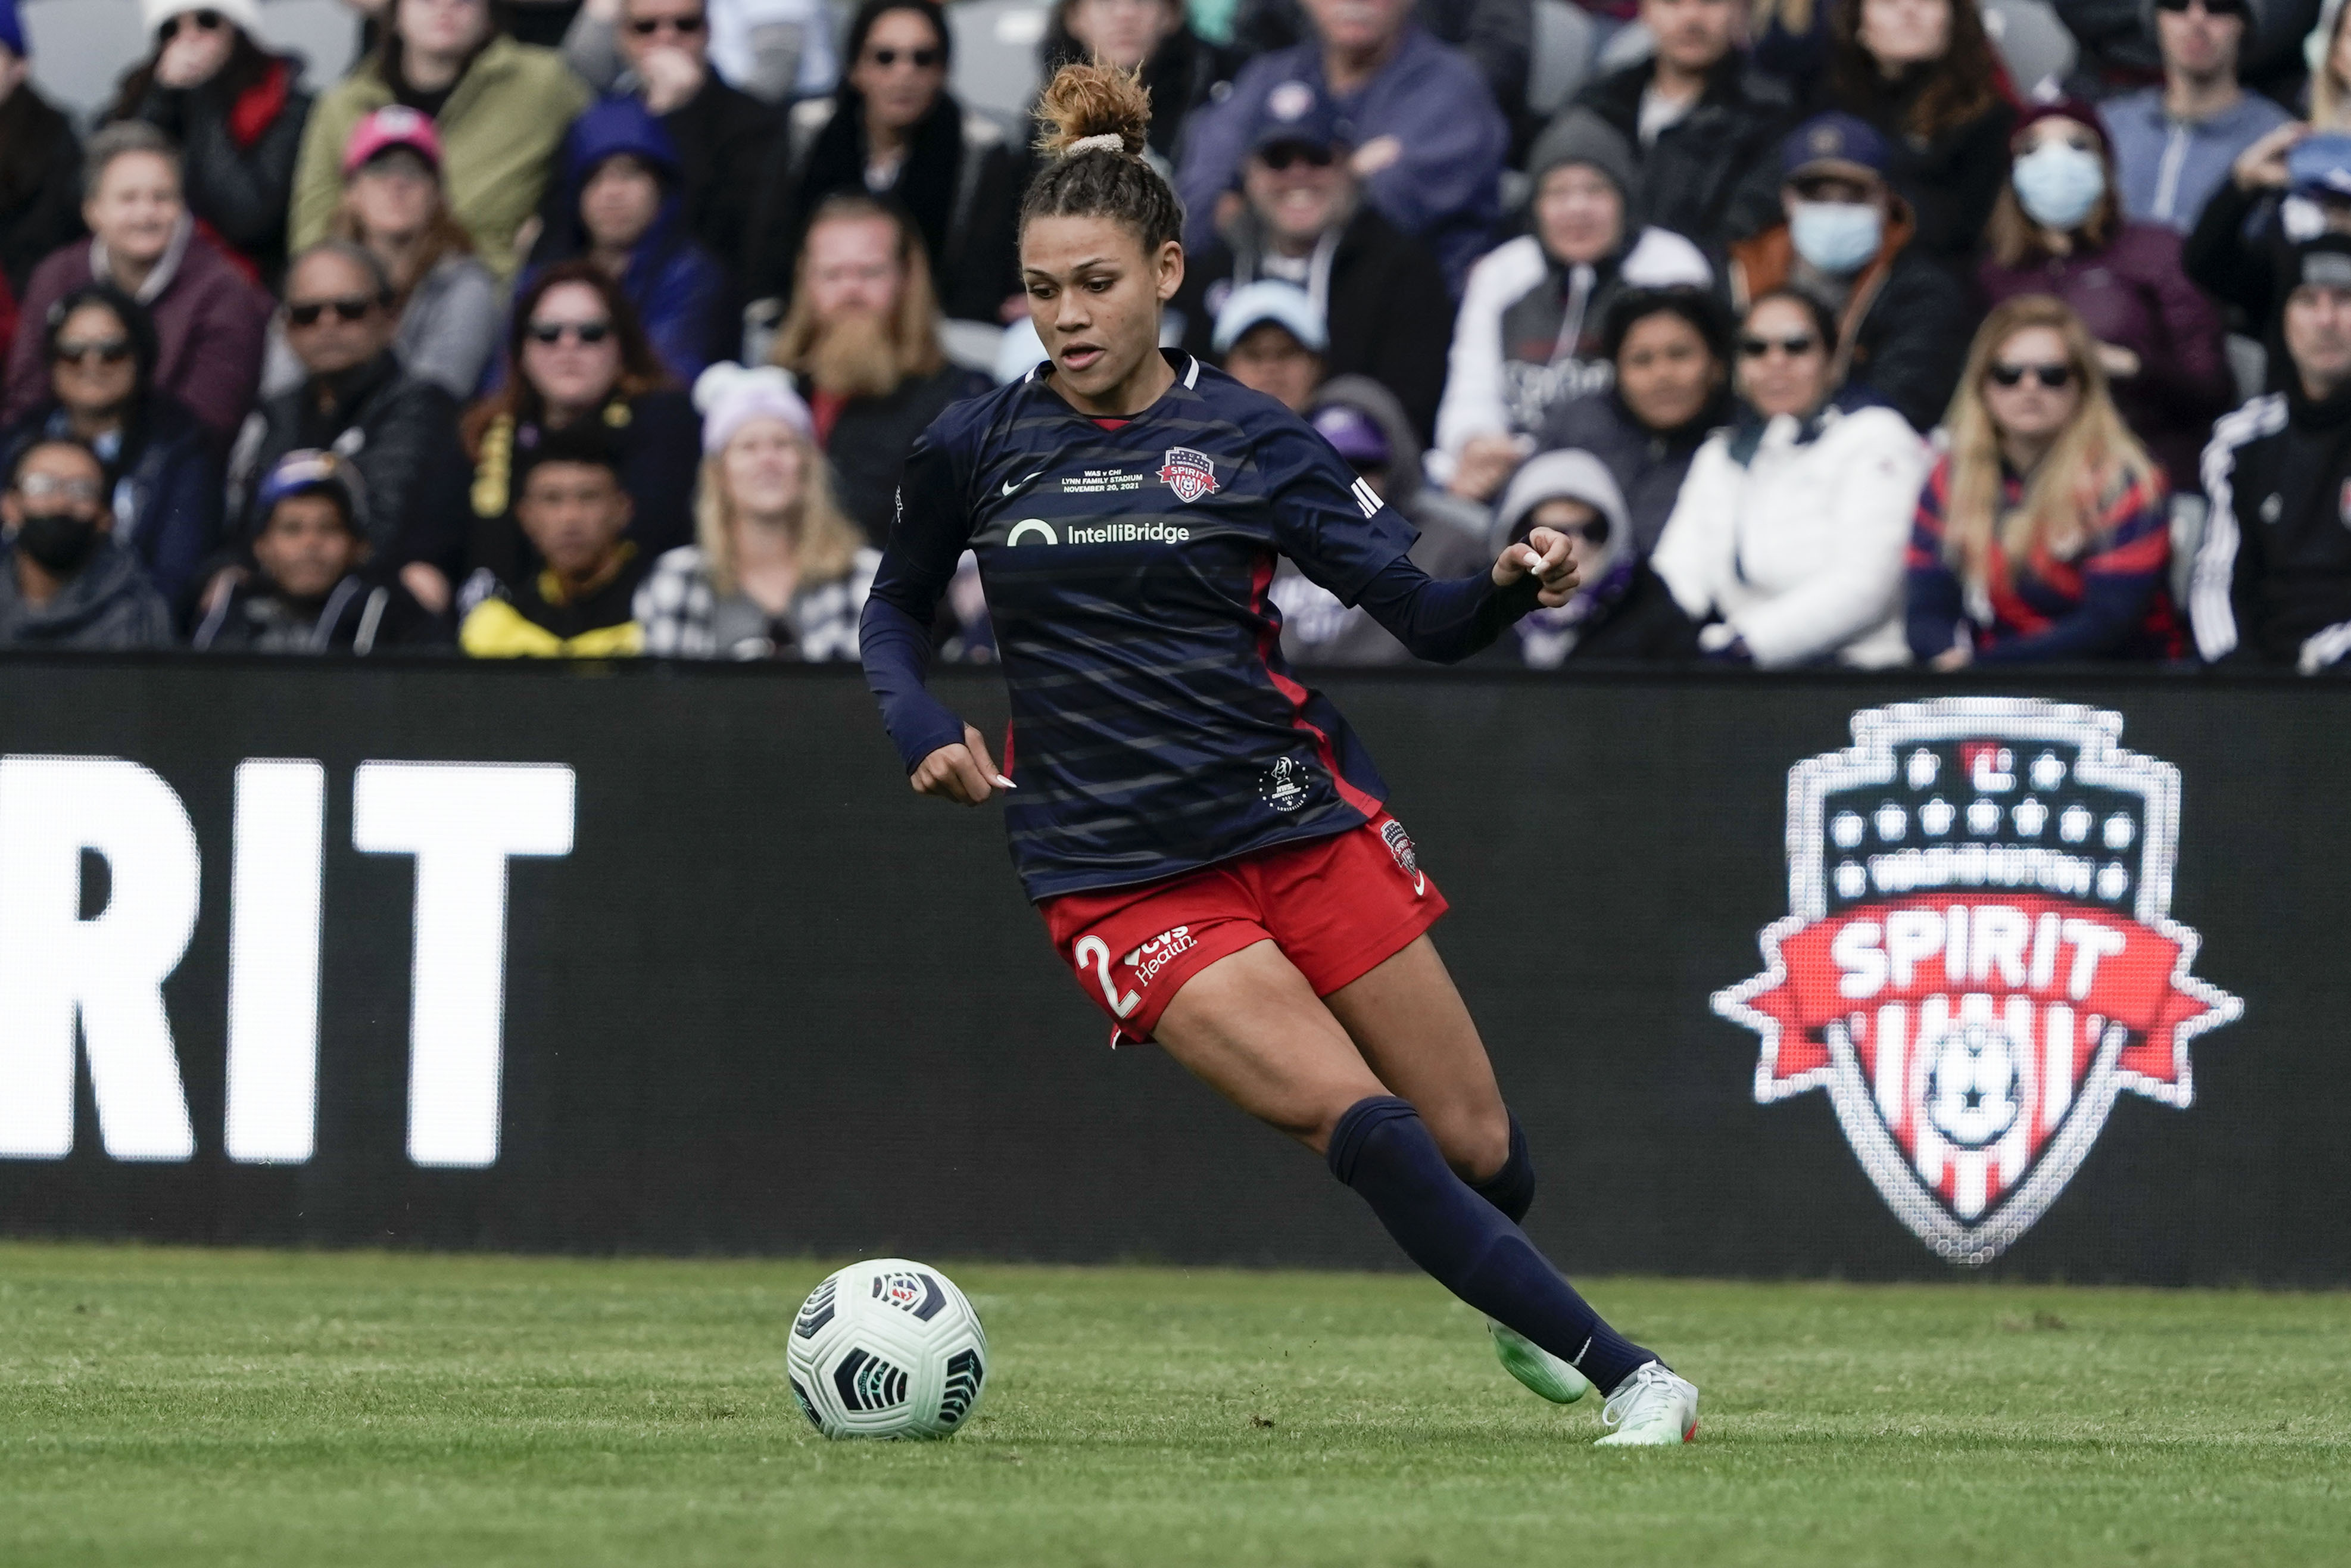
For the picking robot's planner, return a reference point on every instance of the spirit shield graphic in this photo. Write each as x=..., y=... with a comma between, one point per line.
x=1978, y=954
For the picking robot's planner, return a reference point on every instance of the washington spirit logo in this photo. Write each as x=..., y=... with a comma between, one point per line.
x=1978, y=954
x=1191, y=475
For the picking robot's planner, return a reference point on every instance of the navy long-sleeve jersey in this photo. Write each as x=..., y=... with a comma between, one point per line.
x=1155, y=726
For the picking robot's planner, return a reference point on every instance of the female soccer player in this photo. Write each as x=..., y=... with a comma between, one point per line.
x=1204, y=835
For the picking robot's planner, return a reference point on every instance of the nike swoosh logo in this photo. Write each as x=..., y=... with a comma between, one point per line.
x=1012, y=485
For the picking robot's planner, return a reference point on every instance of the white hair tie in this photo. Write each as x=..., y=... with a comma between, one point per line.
x=1108, y=142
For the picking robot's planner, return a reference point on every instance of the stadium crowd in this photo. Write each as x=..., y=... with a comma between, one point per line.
x=601, y=329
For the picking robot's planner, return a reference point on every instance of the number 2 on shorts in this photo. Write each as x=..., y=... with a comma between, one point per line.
x=1094, y=950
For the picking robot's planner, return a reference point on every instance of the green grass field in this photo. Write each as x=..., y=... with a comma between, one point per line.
x=165, y=1407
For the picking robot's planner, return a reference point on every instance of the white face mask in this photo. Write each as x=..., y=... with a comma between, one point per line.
x=2059, y=184
x=1837, y=237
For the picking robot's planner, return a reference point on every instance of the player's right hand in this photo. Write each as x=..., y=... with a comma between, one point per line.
x=965, y=774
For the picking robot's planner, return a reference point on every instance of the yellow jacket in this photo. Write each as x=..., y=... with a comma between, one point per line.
x=501, y=134
x=496, y=630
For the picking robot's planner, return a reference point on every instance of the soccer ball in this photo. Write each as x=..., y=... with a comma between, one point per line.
x=887, y=1348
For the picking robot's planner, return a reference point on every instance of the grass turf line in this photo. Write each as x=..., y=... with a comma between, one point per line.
x=170, y=1407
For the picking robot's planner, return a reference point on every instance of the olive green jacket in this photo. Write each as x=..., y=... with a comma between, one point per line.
x=501, y=134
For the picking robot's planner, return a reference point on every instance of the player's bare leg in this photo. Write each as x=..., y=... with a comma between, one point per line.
x=1251, y=1027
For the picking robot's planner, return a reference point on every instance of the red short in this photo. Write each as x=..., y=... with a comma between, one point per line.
x=1338, y=907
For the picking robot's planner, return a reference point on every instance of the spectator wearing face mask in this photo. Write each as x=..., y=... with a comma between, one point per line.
x=1671, y=349
x=861, y=341
x=40, y=163
x=235, y=111
x=2174, y=143
x=2044, y=532
x=894, y=134
x=1270, y=338
x=210, y=321
x=1620, y=608
x=1306, y=223
x=2059, y=231
x=1428, y=141
x=621, y=205
x=2272, y=579
x=1787, y=541
x=64, y=584
x=1528, y=335
x=1922, y=73
x=1366, y=426
x=660, y=53
x=311, y=591
x=1700, y=120
x=500, y=108
x=776, y=570
x=1902, y=319
x=162, y=469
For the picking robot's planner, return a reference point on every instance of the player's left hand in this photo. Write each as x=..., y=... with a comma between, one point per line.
x=1547, y=555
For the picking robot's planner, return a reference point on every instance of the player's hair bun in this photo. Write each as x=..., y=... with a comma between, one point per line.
x=1084, y=106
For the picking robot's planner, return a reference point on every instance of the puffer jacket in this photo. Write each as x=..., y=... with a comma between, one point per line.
x=108, y=604
x=1317, y=629
x=1794, y=534
x=500, y=131
x=399, y=432
x=1712, y=174
x=238, y=155
x=166, y=482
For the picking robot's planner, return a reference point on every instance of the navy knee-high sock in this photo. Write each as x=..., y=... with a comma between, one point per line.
x=1383, y=1150
x=1512, y=1189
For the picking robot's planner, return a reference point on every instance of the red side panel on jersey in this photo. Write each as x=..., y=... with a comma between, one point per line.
x=1297, y=694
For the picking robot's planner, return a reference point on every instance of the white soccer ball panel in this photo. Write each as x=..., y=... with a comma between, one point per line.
x=887, y=1348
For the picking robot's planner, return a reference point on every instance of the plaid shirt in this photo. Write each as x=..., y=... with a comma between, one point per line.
x=684, y=620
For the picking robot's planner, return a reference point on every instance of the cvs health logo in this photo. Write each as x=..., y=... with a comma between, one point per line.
x=1978, y=954
x=462, y=822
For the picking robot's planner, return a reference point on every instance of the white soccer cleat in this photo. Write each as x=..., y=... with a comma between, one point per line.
x=1651, y=1408
x=1536, y=1368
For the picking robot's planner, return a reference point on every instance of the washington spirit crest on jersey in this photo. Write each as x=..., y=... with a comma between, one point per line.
x=1156, y=728
x=1980, y=954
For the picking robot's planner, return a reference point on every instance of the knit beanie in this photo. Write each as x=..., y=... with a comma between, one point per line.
x=1580, y=136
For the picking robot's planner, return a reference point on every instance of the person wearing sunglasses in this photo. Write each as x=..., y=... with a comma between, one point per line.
x=64, y=582
x=40, y=162
x=1528, y=336
x=2044, y=532
x=660, y=53
x=2059, y=230
x=774, y=52
x=210, y=321
x=894, y=132
x=162, y=468
x=622, y=204
x=500, y=108
x=1304, y=221
x=356, y=399
x=236, y=112
x=1620, y=608
x=577, y=356
x=1429, y=142
x=1850, y=240
x=1786, y=541
x=2175, y=142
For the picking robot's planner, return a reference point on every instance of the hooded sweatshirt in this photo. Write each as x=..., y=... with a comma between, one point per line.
x=1620, y=609
x=109, y=603
x=1317, y=629
x=680, y=292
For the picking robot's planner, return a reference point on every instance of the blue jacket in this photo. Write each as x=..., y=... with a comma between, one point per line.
x=167, y=488
x=1444, y=187
x=679, y=291
x=2169, y=168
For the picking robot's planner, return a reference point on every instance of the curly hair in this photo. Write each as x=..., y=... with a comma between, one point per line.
x=1093, y=124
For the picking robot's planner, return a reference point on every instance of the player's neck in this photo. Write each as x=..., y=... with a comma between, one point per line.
x=1127, y=397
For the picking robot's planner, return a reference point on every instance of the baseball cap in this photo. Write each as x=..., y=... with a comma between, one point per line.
x=2321, y=166
x=1283, y=304
x=310, y=472
x=1836, y=143
x=1296, y=113
x=1353, y=434
x=392, y=126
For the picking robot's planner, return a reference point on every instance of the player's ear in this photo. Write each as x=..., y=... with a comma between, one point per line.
x=1170, y=263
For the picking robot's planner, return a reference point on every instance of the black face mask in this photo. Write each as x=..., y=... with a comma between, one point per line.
x=58, y=540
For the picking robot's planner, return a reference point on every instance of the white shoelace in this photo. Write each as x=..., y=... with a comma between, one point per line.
x=1652, y=1377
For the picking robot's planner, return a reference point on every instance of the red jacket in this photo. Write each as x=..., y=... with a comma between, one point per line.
x=210, y=326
